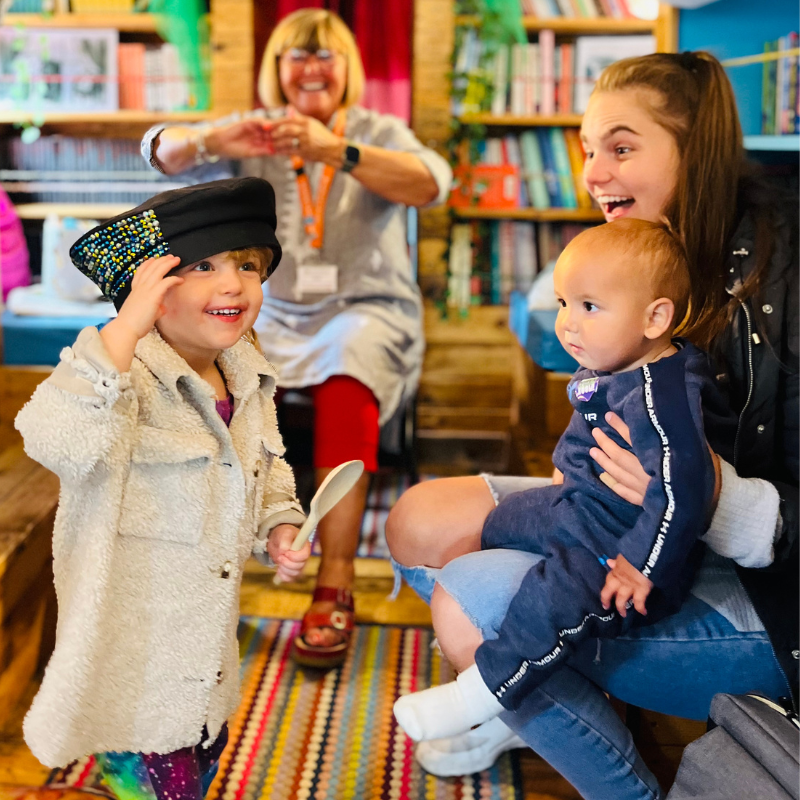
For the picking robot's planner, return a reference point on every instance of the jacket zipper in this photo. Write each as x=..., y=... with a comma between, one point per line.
x=749, y=382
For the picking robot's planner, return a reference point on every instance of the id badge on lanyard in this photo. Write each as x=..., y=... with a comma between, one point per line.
x=316, y=278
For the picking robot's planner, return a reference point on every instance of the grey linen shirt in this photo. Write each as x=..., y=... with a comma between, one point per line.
x=371, y=327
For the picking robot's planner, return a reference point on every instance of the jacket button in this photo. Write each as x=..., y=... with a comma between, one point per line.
x=219, y=676
x=226, y=569
x=795, y=654
x=760, y=429
x=766, y=308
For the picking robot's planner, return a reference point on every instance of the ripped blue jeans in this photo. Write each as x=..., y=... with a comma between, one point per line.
x=674, y=667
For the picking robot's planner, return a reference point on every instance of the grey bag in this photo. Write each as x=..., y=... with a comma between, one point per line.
x=751, y=752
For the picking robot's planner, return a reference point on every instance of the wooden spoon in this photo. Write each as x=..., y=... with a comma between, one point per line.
x=338, y=482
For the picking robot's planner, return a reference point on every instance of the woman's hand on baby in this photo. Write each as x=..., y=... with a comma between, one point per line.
x=298, y=135
x=622, y=472
x=289, y=563
x=623, y=584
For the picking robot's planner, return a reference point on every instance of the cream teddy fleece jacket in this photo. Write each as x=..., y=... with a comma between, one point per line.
x=161, y=505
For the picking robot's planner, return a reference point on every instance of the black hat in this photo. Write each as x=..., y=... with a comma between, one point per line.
x=193, y=223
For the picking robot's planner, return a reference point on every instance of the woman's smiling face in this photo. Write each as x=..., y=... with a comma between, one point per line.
x=314, y=82
x=632, y=162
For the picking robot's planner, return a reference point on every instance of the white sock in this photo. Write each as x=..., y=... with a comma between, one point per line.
x=449, y=709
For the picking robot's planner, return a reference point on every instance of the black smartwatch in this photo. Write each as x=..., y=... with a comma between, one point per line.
x=352, y=156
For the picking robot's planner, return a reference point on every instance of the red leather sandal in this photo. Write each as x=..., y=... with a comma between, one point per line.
x=342, y=620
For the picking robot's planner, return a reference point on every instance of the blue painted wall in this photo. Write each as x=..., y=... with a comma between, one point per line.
x=729, y=28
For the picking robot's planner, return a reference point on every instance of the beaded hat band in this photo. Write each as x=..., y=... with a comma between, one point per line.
x=192, y=223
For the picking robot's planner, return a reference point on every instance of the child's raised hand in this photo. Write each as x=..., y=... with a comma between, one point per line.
x=289, y=562
x=625, y=583
x=145, y=304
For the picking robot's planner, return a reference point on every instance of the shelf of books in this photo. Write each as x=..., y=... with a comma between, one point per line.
x=524, y=168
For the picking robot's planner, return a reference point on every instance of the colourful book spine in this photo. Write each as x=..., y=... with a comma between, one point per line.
x=534, y=170
x=547, y=45
x=550, y=172
x=567, y=79
x=765, y=93
x=566, y=185
x=494, y=280
x=576, y=160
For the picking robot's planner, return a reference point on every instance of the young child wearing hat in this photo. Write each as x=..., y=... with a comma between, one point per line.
x=162, y=429
x=607, y=564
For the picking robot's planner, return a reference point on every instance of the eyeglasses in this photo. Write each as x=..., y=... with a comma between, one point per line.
x=298, y=56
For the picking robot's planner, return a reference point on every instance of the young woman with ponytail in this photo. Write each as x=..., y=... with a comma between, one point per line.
x=662, y=140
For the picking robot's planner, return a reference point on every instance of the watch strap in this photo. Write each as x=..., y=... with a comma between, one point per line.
x=352, y=155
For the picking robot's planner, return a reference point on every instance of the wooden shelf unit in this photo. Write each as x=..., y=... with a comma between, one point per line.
x=99, y=211
x=517, y=121
x=116, y=118
x=532, y=214
x=127, y=23
x=574, y=25
x=664, y=27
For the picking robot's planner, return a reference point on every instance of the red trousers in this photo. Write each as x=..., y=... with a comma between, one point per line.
x=345, y=422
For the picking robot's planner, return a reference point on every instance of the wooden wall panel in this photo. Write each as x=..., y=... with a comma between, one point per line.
x=232, y=56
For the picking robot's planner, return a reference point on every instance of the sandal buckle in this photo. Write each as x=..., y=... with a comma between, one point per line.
x=339, y=620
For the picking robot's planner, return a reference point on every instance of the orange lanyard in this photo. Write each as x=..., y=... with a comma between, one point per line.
x=314, y=213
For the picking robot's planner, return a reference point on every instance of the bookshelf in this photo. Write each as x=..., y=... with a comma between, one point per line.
x=562, y=33
x=232, y=56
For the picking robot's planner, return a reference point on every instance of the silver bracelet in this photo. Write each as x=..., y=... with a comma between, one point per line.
x=202, y=156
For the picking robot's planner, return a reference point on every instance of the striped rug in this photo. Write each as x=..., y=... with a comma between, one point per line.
x=307, y=735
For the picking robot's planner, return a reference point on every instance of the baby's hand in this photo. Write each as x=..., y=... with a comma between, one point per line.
x=289, y=562
x=625, y=582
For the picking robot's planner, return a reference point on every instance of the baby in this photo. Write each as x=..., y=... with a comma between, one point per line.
x=623, y=289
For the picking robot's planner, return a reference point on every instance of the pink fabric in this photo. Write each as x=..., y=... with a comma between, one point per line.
x=14, y=268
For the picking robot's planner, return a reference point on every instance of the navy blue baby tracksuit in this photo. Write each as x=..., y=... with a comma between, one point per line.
x=672, y=408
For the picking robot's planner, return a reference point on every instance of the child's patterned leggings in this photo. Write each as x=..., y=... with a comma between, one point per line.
x=185, y=774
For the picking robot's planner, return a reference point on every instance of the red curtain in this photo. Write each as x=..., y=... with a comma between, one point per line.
x=383, y=31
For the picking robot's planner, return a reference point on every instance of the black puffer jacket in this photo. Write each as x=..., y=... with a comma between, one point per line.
x=760, y=356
